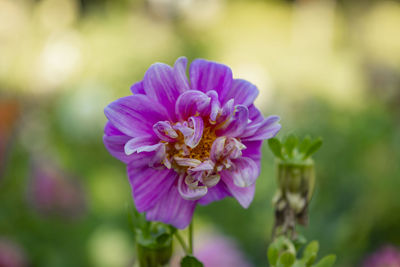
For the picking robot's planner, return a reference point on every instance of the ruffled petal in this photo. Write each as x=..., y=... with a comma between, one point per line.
x=198, y=125
x=135, y=115
x=164, y=130
x=245, y=172
x=172, y=209
x=207, y=75
x=190, y=103
x=217, y=148
x=242, y=91
x=149, y=185
x=181, y=79
x=140, y=144
x=159, y=84
x=215, y=106
x=266, y=129
x=190, y=193
x=244, y=195
x=237, y=124
x=215, y=193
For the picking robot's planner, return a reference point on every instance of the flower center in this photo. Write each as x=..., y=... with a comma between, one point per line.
x=183, y=156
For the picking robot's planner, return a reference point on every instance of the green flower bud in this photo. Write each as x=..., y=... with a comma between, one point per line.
x=154, y=256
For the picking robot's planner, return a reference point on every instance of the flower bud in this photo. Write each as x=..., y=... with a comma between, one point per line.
x=154, y=256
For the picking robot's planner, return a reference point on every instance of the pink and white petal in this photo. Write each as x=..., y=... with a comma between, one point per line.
x=237, y=124
x=135, y=115
x=242, y=91
x=189, y=193
x=140, y=144
x=207, y=75
x=180, y=76
x=244, y=195
x=164, y=130
x=137, y=88
x=159, y=84
x=215, y=106
x=198, y=126
x=190, y=103
x=217, y=148
x=226, y=113
x=245, y=172
x=149, y=185
x=216, y=193
x=159, y=156
x=265, y=130
x=172, y=209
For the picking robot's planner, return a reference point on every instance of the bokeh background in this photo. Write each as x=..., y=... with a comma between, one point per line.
x=328, y=68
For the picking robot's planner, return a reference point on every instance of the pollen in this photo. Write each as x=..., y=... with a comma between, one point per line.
x=201, y=152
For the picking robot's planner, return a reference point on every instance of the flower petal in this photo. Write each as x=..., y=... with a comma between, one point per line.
x=115, y=141
x=237, y=124
x=181, y=79
x=172, y=209
x=242, y=91
x=198, y=125
x=253, y=150
x=137, y=88
x=215, y=193
x=217, y=148
x=188, y=192
x=207, y=75
x=245, y=172
x=190, y=103
x=164, y=130
x=149, y=185
x=215, y=106
x=135, y=115
x=244, y=195
x=266, y=129
x=139, y=144
x=159, y=84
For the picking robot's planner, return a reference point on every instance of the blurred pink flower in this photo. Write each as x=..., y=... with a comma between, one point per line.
x=11, y=255
x=388, y=256
x=52, y=191
x=216, y=250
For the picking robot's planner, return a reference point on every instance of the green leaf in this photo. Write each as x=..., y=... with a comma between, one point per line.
x=190, y=261
x=311, y=249
x=305, y=144
x=290, y=143
x=326, y=261
x=273, y=254
x=276, y=147
x=313, y=148
x=286, y=259
x=299, y=242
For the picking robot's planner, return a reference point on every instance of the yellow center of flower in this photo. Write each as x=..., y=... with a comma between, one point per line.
x=200, y=152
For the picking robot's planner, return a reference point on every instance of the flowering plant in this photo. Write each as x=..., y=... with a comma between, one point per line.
x=188, y=143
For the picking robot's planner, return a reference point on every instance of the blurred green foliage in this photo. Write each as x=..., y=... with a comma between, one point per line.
x=327, y=68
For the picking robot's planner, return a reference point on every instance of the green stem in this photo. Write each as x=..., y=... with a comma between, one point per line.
x=191, y=237
x=183, y=245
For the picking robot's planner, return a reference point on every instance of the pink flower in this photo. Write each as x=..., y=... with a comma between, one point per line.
x=188, y=143
x=388, y=256
x=52, y=191
x=11, y=255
